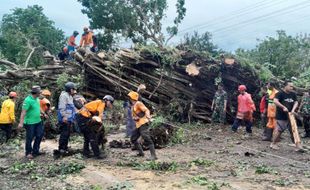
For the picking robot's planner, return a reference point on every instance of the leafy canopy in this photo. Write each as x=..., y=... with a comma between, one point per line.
x=25, y=29
x=138, y=20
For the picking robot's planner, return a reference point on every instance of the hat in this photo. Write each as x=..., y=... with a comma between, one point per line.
x=242, y=88
x=12, y=94
x=36, y=90
x=133, y=95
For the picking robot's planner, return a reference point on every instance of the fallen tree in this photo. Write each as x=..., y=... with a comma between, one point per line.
x=180, y=83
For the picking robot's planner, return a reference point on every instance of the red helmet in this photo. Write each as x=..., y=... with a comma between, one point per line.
x=241, y=88
x=12, y=94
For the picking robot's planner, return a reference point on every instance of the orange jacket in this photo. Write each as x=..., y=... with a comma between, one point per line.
x=93, y=108
x=245, y=103
x=71, y=41
x=137, y=109
x=87, y=39
x=45, y=104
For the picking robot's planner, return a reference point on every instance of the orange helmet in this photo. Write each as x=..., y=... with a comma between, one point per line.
x=241, y=88
x=46, y=93
x=12, y=94
x=133, y=95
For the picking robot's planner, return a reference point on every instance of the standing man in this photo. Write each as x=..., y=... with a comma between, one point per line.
x=31, y=120
x=71, y=42
x=246, y=107
x=219, y=104
x=45, y=106
x=89, y=120
x=286, y=102
x=141, y=116
x=7, y=115
x=66, y=112
x=87, y=39
x=304, y=109
x=271, y=112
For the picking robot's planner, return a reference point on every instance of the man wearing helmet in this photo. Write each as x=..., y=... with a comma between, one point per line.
x=31, y=119
x=246, y=107
x=89, y=119
x=7, y=115
x=45, y=106
x=66, y=112
x=141, y=116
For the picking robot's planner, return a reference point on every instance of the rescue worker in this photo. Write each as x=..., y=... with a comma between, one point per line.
x=263, y=109
x=304, y=110
x=89, y=119
x=45, y=106
x=219, y=105
x=7, y=115
x=66, y=112
x=246, y=107
x=63, y=55
x=86, y=39
x=30, y=118
x=71, y=42
x=286, y=101
x=271, y=112
x=141, y=115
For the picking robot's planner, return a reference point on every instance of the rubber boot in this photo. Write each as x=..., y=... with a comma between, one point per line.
x=268, y=134
x=153, y=154
x=140, y=150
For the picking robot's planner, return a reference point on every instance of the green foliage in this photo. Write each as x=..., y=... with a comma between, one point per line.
x=262, y=169
x=65, y=168
x=202, y=162
x=152, y=165
x=121, y=186
x=179, y=136
x=25, y=29
x=18, y=167
x=282, y=56
x=137, y=20
x=157, y=121
x=283, y=182
x=200, y=43
x=203, y=181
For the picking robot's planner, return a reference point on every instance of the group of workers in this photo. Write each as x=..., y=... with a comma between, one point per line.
x=275, y=105
x=72, y=108
x=88, y=41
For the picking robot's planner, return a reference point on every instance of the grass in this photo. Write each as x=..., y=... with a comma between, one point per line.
x=202, y=162
x=120, y=186
x=203, y=181
x=65, y=168
x=263, y=169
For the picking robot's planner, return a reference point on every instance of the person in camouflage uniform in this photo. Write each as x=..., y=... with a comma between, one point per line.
x=304, y=109
x=219, y=104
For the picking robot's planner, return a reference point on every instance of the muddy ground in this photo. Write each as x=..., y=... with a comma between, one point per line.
x=211, y=158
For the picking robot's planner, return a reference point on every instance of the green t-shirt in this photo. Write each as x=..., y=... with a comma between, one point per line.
x=32, y=107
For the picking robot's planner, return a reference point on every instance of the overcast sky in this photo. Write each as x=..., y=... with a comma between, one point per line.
x=233, y=23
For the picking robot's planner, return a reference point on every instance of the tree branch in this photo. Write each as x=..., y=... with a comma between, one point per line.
x=9, y=64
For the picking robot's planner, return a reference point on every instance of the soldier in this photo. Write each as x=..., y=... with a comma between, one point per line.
x=219, y=105
x=304, y=109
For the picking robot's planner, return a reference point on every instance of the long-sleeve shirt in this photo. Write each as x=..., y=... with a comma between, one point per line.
x=7, y=114
x=66, y=107
x=92, y=108
x=245, y=103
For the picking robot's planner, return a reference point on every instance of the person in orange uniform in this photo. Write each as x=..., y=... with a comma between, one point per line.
x=271, y=112
x=45, y=106
x=89, y=114
x=141, y=116
x=7, y=115
x=87, y=39
x=246, y=107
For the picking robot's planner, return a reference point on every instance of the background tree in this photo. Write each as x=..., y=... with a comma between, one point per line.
x=202, y=43
x=25, y=33
x=138, y=20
